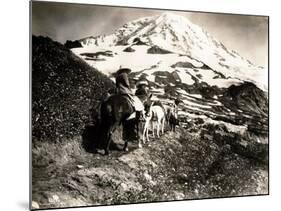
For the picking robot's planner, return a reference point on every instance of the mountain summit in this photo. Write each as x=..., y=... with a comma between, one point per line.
x=179, y=35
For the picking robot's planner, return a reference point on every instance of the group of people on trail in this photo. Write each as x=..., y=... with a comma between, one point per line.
x=123, y=88
x=142, y=92
x=122, y=105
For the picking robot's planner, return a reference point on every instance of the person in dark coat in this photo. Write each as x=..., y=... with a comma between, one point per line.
x=122, y=81
x=123, y=87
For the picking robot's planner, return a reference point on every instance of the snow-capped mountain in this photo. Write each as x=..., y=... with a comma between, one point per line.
x=177, y=35
x=181, y=60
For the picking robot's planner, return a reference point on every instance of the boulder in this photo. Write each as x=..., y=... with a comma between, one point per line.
x=129, y=49
x=157, y=50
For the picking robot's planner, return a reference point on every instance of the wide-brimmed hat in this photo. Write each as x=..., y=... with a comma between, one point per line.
x=142, y=82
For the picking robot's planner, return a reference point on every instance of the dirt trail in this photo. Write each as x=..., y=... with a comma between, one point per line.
x=177, y=166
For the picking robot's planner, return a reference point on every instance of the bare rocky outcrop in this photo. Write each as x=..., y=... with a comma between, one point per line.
x=157, y=50
x=129, y=49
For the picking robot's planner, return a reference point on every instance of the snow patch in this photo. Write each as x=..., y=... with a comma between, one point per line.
x=231, y=127
x=185, y=78
x=189, y=103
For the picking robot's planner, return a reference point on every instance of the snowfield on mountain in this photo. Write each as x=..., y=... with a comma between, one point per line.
x=185, y=40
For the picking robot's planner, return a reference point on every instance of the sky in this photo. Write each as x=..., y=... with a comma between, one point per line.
x=248, y=35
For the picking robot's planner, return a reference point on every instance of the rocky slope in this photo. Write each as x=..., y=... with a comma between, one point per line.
x=64, y=89
x=188, y=164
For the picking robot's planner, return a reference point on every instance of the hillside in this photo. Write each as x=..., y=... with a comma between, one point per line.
x=189, y=164
x=64, y=89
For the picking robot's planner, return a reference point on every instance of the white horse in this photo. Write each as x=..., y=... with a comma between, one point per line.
x=157, y=112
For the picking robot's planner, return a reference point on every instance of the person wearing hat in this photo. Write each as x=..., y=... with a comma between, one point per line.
x=142, y=92
x=123, y=87
x=122, y=81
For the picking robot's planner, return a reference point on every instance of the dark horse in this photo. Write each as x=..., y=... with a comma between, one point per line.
x=172, y=120
x=114, y=112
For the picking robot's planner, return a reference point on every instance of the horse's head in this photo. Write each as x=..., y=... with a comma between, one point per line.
x=147, y=106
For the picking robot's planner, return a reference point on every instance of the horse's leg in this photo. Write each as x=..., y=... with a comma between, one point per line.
x=145, y=130
x=107, y=142
x=111, y=130
x=125, y=137
x=163, y=125
x=170, y=125
x=125, y=148
x=138, y=131
x=143, y=133
x=137, y=124
x=158, y=128
x=153, y=128
x=102, y=134
x=138, y=135
x=173, y=124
